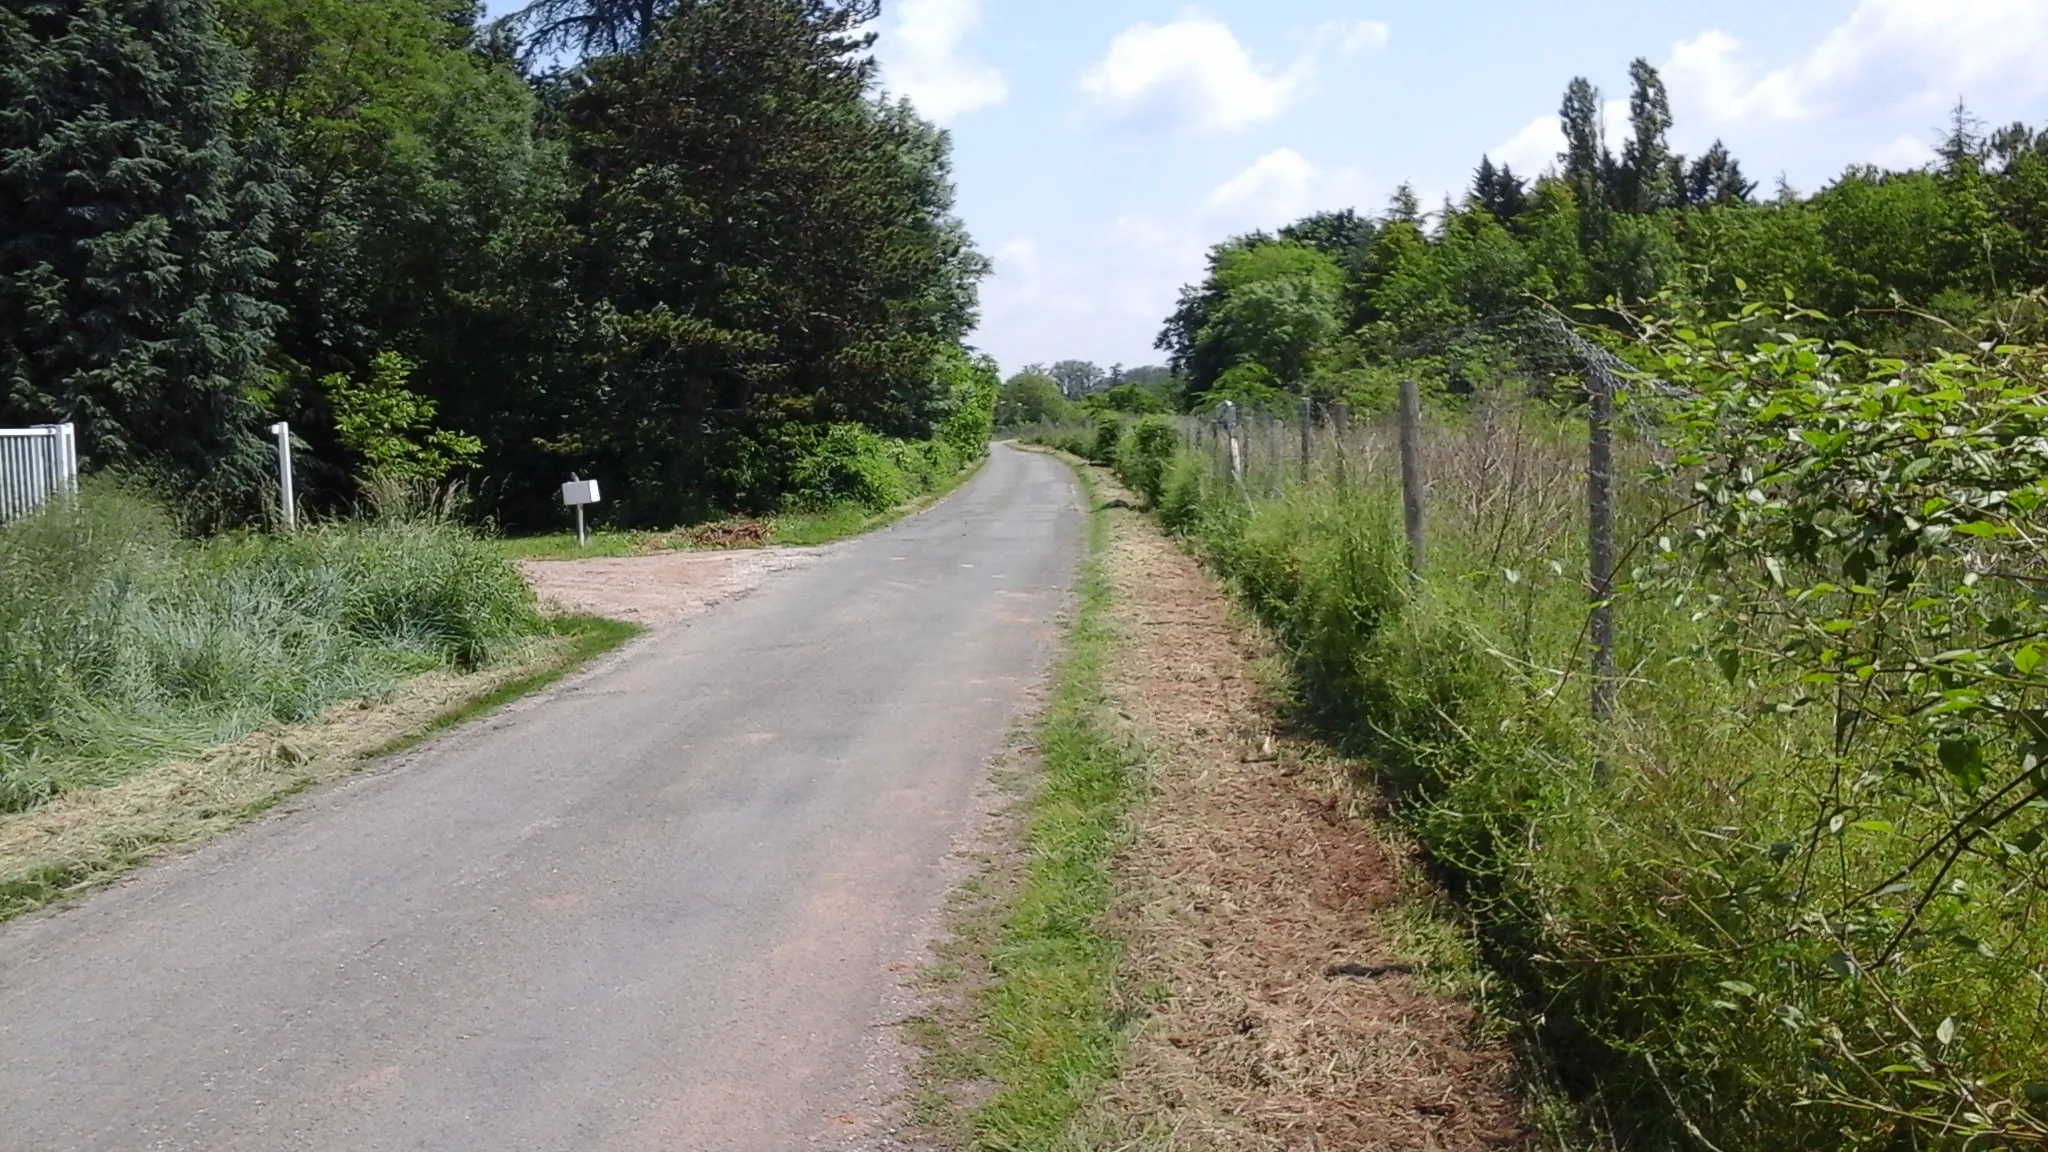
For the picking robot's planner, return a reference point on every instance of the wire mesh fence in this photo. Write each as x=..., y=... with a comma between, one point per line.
x=1657, y=770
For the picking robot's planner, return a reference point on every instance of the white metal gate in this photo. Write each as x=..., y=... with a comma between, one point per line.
x=35, y=464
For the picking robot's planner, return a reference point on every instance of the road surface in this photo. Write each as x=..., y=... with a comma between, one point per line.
x=666, y=907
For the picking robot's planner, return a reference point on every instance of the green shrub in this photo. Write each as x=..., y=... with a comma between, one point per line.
x=1183, y=494
x=972, y=387
x=1109, y=432
x=121, y=643
x=1073, y=439
x=849, y=465
x=1144, y=453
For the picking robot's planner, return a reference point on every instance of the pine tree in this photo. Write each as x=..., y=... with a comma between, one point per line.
x=132, y=266
x=1715, y=178
x=607, y=27
x=765, y=247
x=1503, y=194
x=1645, y=177
x=1404, y=207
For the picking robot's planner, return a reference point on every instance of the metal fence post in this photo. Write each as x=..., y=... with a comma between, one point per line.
x=1411, y=472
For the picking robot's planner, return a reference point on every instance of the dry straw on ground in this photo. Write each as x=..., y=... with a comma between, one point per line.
x=1282, y=1015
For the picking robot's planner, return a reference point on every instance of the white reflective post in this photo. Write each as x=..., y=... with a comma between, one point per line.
x=287, y=499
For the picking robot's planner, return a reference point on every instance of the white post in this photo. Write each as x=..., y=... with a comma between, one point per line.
x=287, y=500
x=67, y=457
x=580, y=539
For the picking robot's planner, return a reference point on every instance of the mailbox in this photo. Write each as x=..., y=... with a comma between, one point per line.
x=580, y=492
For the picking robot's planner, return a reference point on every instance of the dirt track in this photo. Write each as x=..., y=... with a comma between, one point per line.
x=657, y=590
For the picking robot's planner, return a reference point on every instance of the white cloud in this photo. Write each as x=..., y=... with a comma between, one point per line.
x=1537, y=146
x=1532, y=149
x=1350, y=37
x=1901, y=152
x=921, y=57
x=1194, y=76
x=1190, y=75
x=1889, y=55
x=1103, y=295
x=1277, y=188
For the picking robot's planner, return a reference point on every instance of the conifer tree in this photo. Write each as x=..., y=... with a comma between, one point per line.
x=132, y=265
x=1715, y=178
x=1587, y=163
x=1403, y=206
x=1503, y=194
x=1645, y=180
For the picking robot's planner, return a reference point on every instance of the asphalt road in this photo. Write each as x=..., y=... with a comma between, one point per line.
x=666, y=907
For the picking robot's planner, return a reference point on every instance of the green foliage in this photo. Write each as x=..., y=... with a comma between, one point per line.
x=1144, y=453
x=132, y=230
x=1109, y=435
x=1903, y=262
x=417, y=182
x=971, y=394
x=806, y=271
x=1790, y=895
x=121, y=643
x=1132, y=399
x=591, y=270
x=849, y=465
x=1032, y=398
x=390, y=428
x=1864, y=529
x=1270, y=304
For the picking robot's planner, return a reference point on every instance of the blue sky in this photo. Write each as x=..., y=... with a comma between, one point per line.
x=1101, y=147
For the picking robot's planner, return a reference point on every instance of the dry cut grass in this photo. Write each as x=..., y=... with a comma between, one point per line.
x=1284, y=1009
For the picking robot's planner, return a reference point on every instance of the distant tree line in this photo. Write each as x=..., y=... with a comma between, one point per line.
x=1071, y=389
x=672, y=243
x=1339, y=304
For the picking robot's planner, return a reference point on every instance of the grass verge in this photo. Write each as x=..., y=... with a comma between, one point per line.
x=793, y=530
x=85, y=839
x=1040, y=1031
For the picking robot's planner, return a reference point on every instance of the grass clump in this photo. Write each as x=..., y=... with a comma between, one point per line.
x=122, y=643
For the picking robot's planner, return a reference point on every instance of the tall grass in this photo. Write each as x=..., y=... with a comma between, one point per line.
x=122, y=643
x=1655, y=887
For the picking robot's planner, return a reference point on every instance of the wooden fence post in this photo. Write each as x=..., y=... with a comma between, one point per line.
x=1340, y=424
x=1600, y=538
x=1411, y=472
x=1308, y=420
